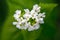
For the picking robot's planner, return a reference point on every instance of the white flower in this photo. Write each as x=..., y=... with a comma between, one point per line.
x=27, y=16
x=27, y=11
x=18, y=25
x=30, y=20
x=32, y=12
x=36, y=8
x=16, y=16
x=30, y=28
x=14, y=23
x=34, y=27
x=40, y=20
x=41, y=15
x=18, y=12
x=34, y=15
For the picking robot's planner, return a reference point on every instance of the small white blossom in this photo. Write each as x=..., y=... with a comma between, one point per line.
x=34, y=27
x=36, y=8
x=27, y=11
x=16, y=16
x=27, y=16
x=18, y=12
x=14, y=23
x=18, y=26
x=30, y=20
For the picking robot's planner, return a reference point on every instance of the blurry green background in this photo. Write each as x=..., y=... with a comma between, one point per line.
x=50, y=30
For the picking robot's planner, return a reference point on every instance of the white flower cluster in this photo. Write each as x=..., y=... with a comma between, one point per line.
x=30, y=20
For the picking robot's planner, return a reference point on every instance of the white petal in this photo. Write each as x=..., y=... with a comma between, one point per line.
x=32, y=11
x=30, y=28
x=42, y=14
x=35, y=6
x=24, y=27
x=16, y=16
x=27, y=16
x=36, y=26
x=18, y=26
x=18, y=11
x=14, y=23
x=26, y=10
x=41, y=20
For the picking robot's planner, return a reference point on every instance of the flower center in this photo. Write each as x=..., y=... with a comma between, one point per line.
x=32, y=21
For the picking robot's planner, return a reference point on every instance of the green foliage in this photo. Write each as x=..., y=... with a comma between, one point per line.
x=46, y=30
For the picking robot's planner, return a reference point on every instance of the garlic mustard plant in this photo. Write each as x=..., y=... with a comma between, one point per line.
x=31, y=20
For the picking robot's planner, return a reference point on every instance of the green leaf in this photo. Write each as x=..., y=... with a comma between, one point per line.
x=10, y=32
